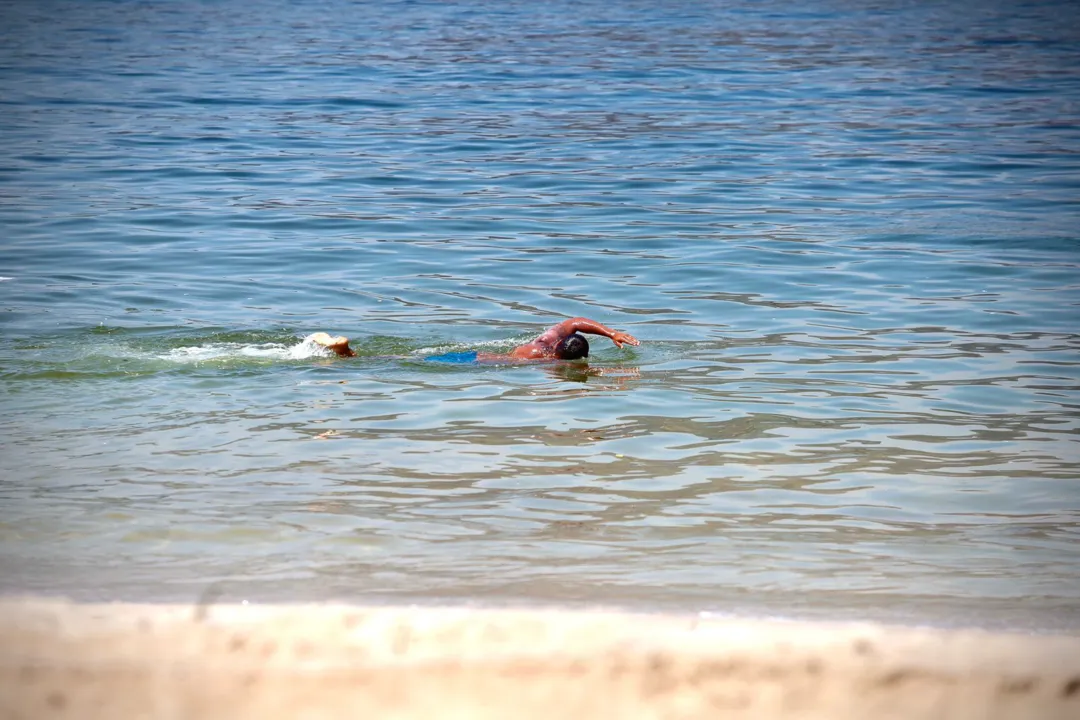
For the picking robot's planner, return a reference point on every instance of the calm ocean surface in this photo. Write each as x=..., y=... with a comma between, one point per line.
x=847, y=234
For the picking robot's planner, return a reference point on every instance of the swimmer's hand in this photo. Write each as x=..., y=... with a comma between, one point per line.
x=619, y=338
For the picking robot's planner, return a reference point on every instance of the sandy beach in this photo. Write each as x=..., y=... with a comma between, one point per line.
x=60, y=659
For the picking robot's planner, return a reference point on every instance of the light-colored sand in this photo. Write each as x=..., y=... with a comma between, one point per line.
x=126, y=661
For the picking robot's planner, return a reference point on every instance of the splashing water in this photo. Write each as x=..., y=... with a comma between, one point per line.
x=216, y=351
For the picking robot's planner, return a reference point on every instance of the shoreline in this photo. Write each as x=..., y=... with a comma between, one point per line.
x=270, y=661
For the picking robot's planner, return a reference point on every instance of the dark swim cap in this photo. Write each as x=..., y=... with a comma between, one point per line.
x=573, y=347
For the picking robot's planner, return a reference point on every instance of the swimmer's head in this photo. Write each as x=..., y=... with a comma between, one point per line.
x=572, y=347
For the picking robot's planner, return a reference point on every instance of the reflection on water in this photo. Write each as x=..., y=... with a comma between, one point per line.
x=845, y=235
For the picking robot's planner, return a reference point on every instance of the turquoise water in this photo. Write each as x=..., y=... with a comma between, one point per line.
x=846, y=234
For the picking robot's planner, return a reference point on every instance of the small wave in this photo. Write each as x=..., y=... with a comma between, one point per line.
x=2, y=278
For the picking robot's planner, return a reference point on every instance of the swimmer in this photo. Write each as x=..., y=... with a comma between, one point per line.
x=564, y=341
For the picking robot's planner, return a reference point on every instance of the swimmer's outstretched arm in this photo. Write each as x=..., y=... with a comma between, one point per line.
x=543, y=347
x=339, y=344
x=585, y=325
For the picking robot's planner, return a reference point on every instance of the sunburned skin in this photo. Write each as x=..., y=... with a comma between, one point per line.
x=545, y=348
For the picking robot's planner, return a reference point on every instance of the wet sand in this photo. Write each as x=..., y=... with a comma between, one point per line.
x=59, y=659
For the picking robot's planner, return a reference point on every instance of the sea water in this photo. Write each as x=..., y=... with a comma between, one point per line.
x=846, y=233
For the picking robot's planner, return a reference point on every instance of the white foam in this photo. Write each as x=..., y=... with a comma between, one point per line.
x=307, y=348
x=2, y=278
x=266, y=351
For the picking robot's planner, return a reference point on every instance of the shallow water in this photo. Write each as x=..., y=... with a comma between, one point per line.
x=846, y=234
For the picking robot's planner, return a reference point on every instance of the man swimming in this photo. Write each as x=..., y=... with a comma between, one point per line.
x=561, y=342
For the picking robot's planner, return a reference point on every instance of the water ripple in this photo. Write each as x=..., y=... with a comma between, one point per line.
x=846, y=236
